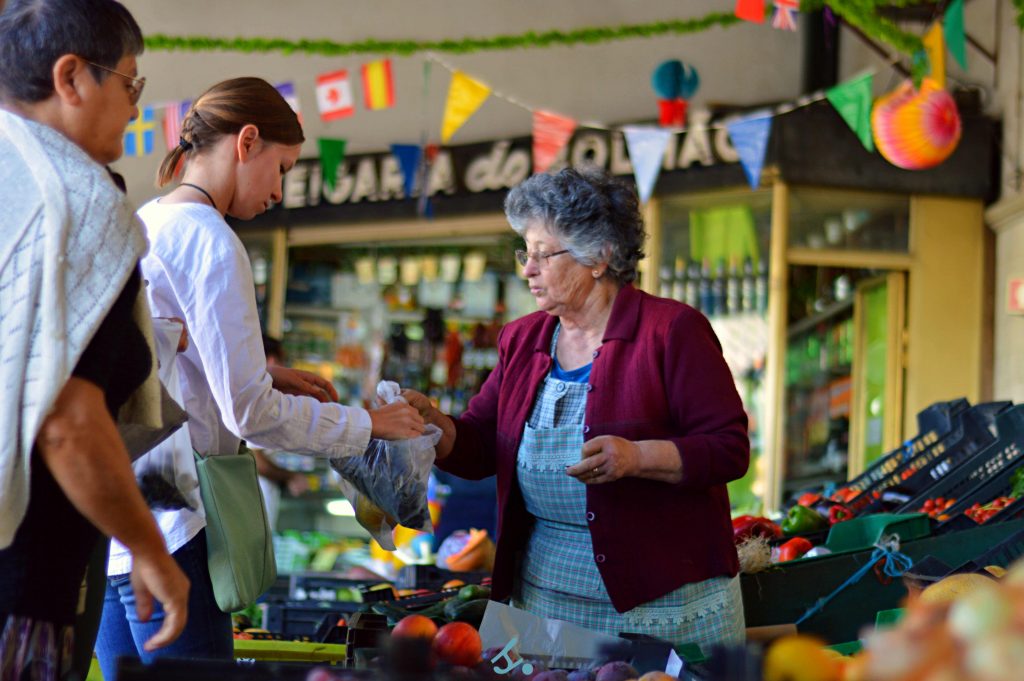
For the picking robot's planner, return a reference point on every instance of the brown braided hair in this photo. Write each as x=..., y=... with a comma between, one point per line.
x=225, y=109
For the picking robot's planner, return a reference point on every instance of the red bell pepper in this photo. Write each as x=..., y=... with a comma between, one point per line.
x=794, y=548
x=746, y=526
x=844, y=494
x=809, y=499
x=839, y=514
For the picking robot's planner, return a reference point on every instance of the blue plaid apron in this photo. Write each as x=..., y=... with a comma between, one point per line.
x=558, y=577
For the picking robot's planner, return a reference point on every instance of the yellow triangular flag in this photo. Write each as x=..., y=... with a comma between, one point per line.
x=465, y=95
x=935, y=46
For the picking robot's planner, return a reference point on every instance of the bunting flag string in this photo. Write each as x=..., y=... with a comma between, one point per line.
x=287, y=91
x=334, y=95
x=332, y=153
x=646, y=146
x=953, y=30
x=805, y=100
x=785, y=14
x=750, y=10
x=174, y=116
x=852, y=99
x=551, y=132
x=378, y=85
x=935, y=48
x=140, y=133
x=749, y=137
x=408, y=156
x=465, y=96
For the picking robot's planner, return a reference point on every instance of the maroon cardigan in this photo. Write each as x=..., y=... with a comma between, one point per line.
x=659, y=374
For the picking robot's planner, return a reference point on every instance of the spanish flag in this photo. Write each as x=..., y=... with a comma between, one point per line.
x=378, y=85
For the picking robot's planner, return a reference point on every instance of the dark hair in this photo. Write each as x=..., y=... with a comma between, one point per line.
x=596, y=217
x=34, y=34
x=225, y=109
x=273, y=347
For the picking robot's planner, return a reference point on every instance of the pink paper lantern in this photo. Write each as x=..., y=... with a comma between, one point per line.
x=916, y=128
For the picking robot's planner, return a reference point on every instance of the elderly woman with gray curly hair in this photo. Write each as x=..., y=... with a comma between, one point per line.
x=613, y=425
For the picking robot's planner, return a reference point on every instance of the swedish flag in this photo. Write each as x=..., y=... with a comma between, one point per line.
x=140, y=134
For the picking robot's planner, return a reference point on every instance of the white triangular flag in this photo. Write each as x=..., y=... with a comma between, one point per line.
x=646, y=146
x=749, y=137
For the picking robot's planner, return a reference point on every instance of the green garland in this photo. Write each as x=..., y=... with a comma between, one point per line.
x=589, y=36
x=863, y=14
x=860, y=13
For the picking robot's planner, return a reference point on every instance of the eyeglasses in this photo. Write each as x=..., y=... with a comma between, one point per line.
x=540, y=258
x=134, y=87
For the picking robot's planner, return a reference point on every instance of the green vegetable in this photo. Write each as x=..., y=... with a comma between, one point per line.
x=472, y=592
x=470, y=612
x=395, y=613
x=1017, y=482
x=801, y=519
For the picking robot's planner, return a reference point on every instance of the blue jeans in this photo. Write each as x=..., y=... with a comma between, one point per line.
x=207, y=633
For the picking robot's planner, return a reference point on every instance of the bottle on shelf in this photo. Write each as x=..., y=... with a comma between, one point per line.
x=761, y=287
x=692, y=288
x=665, y=282
x=718, y=290
x=733, y=303
x=747, y=300
x=707, y=302
x=679, y=280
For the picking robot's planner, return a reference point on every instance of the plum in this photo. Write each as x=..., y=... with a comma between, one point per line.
x=582, y=675
x=552, y=675
x=616, y=671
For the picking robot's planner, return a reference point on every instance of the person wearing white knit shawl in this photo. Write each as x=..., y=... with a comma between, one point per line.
x=69, y=249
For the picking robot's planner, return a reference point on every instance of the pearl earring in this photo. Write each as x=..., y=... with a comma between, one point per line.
x=596, y=274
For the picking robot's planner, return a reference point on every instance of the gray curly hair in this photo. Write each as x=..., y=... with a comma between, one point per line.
x=595, y=216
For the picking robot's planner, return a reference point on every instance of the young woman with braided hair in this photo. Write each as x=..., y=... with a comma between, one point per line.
x=237, y=141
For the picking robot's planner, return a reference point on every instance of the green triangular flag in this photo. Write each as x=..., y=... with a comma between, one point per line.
x=332, y=153
x=953, y=28
x=852, y=100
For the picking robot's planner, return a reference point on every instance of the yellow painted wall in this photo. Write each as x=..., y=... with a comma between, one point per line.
x=944, y=303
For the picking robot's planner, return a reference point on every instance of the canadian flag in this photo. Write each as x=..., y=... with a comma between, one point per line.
x=334, y=95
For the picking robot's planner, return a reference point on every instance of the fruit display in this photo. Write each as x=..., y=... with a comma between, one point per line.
x=937, y=507
x=458, y=643
x=466, y=605
x=982, y=513
x=454, y=651
x=965, y=627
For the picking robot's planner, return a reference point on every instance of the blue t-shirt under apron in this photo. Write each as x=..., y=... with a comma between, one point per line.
x=580, y=375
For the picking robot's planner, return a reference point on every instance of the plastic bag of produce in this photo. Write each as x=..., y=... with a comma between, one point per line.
x=387, y=485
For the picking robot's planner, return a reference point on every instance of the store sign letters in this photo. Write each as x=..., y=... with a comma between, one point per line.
x=496, y=166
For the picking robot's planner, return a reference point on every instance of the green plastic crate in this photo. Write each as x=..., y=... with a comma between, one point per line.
x=889, y=618
x=691, y=653
x=781, y=594
x=849, y=648
x=863, y=533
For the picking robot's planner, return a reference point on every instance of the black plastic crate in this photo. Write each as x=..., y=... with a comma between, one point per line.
x=303, y=618
x=433, y=578
x=970, y=429
x=1002, y=554
x=323, y=586
x=934, y=422
x=983, y=466
x=997, y=486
